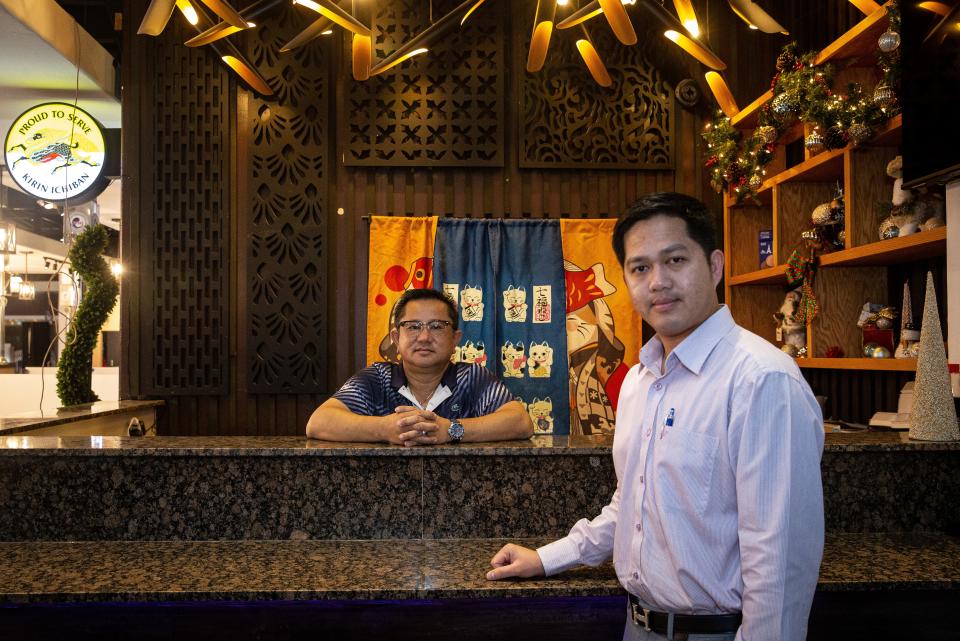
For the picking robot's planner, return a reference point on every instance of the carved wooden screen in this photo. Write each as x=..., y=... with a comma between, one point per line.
x=442, y=108
x=286, y=278
x=568, y=120
x=189, y=221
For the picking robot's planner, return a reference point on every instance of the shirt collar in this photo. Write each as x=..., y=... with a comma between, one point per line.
x=398, y=378
x=692, y=351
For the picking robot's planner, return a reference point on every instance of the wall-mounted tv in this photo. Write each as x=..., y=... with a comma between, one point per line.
x=930, y=91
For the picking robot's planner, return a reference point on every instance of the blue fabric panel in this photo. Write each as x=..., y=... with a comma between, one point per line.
x=515, y=270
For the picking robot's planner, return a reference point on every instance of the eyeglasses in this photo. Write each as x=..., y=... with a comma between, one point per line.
x=413, y=327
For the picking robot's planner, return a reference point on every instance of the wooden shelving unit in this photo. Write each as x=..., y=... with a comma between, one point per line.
x=847, y=278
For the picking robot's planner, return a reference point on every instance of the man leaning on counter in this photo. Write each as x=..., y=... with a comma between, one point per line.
x=426, y=399
x=716, y=525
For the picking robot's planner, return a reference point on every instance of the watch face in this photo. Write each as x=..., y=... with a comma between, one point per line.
x=456, y=430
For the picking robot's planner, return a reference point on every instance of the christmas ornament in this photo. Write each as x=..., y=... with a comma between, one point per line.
x=755, y=182
x=889, y=40
x=934, y=416
x=883, y=96
x=889, y=231
x=787, y=59
x=826, y=214
x=859, y=133
x=835, y=138
x=869, y=349
x=801, y=270
x=814, y=142
x=909, y=335
x=881, y=352
x=767, y=134
x=784, y=104
x=834, y=351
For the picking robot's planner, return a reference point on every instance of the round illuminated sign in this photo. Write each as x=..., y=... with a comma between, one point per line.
x=56, y=152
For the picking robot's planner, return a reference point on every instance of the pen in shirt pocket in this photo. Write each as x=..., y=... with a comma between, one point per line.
x=667, y=422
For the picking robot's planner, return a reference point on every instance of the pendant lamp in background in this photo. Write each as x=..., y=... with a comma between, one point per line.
x=722, y=94
x=542, y=30
x=320, y=26
x=224, y=28
x=421, y=42
x=755, y=17
x=593, y=61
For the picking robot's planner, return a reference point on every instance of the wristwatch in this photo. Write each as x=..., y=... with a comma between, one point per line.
x=455, y=431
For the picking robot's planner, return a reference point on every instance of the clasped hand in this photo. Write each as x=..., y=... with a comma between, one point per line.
x=410, y=426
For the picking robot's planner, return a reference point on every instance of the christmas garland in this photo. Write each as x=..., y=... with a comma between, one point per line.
x=74, y=367
x=803, y=91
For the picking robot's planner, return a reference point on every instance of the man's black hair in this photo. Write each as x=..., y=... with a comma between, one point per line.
x=699, y=220
x=424, y=294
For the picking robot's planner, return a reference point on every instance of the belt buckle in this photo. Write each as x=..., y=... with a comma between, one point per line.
x=639, y=618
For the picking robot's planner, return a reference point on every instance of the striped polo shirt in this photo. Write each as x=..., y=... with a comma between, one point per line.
x=377, y=390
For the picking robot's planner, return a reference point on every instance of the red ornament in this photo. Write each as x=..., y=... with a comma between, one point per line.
x=712, y=160
x=834, y=351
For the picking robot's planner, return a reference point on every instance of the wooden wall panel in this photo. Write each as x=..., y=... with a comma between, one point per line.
x=353, y=193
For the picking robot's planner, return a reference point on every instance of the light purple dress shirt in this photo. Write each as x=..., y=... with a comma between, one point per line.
x=722, y=511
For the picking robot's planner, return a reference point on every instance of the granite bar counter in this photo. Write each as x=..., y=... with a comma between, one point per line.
x=99, y=418
x=166, y=571
x=281, y=488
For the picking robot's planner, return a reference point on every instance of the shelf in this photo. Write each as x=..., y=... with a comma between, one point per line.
x=825, y=166
x=875, y=364
x=903, y=249
x=769, y=276
x=859, y=41
x=924, y=244
x=888, y=135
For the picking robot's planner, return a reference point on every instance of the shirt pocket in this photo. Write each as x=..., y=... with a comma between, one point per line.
x=684, y=470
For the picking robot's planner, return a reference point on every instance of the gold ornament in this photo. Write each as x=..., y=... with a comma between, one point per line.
x=767, y=134
x=859, y=133
x=755, y=181
x=883, y=96
x=889, y=40
x=814, y=142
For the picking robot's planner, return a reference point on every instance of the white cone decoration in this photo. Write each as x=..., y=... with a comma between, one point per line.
x=906, y=316
x=934, y=416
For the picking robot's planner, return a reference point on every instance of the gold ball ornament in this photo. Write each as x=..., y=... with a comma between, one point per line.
x=814, y=142
x=888, y=41
x=859, y=133
x=869, y=349
x=883, y=96
x=880, y=352
x=755, y=181
x=767, y=134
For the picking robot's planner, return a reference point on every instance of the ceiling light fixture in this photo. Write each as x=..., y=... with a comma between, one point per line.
x=721, y=92
x=421, y=42
x=757, y=18
x=542, y=30
x=224, y=28
x=592, y=59
x=331, y=10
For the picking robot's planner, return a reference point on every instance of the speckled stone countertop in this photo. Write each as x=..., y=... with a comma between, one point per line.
x=32, y=420
x=301, y=446
x=393, y=569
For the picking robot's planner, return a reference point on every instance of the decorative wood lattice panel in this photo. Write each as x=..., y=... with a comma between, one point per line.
x=442, y=108
x=286, y=277
x=190, y=219
x=568, y=120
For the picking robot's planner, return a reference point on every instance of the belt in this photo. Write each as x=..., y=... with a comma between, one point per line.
x=688, y=623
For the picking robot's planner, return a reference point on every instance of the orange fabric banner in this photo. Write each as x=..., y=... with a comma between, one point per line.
x=401, y=258
x=603, y=330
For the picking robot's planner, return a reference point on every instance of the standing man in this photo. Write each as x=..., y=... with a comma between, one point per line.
x=426, y=399
x=716, y=525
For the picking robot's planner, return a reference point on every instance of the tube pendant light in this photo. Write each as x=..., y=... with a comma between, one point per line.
x=593, y=61
x=542, y=30
x=316, y=28
x=722, y=94
x=619, y=21
x=755, y=17
x=330, y=9
x=224, y=28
